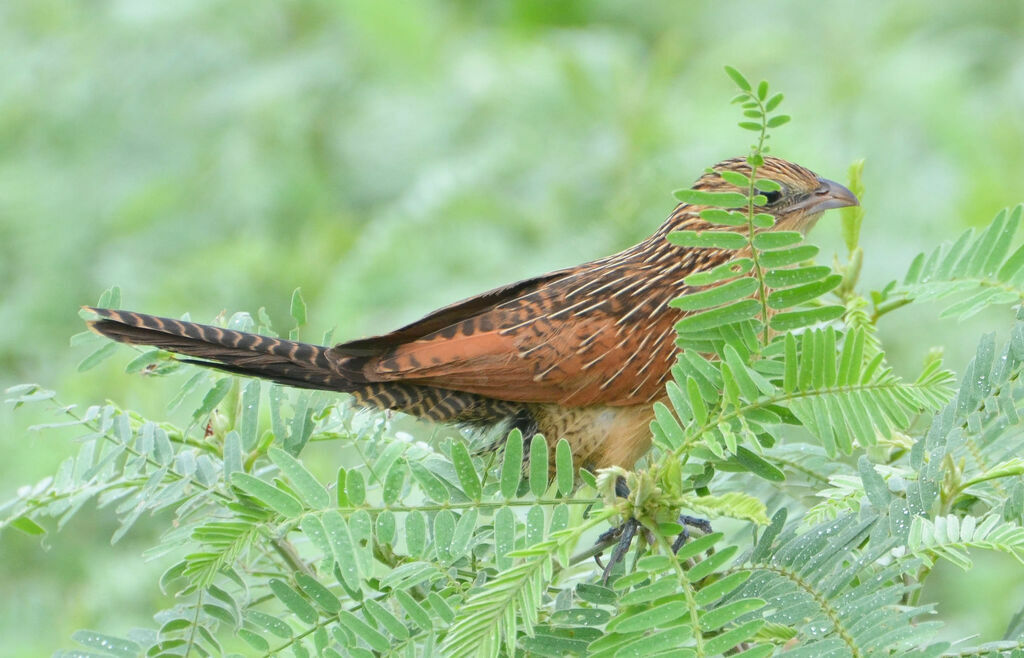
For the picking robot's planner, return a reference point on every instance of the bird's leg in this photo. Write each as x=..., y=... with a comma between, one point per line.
x=622, y=535
x=627, y=530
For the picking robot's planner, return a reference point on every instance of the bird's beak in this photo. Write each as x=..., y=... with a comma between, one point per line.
x=828, y=195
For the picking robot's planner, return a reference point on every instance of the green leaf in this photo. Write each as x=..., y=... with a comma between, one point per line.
x=269, y=623
x=512, y=465
x=671, y=430
x=784, y=257
x=441, y=607
x=429, y=483
x=385, y=527
x=144, y=360
x=345, y=558
x=213, y=397
x=721, y=272
x=465, y=471
x=280, y=501
x=417, y=613
x=716, y=296
x=306, y=485
x=320, y=595
x=773, y=102
x=109, y=644
x=504, y=536
x=722, y=615
x=444, y=530
x=659, y=589
x=698, y=546
x=394, y=482
x=253, y=640
x=874, y=484
x=714, y=199
x=97, y=357
x=355, y=488
x=339, y=488
x=563, y=467
x=712, y=563
x=538, y=465
x=581, y=617
x=292, y=600
x=778, y=120
x=735, y=312
x=777, y=239
x=27, y=526
x=371, y=636
x=464, y=529
x=758, y=466
x=789, y=297
x=716, y=590
x=415, y=532
x=298, y=308
x=795, y=319
x=659, y=616
x=736, y=178
x=735, y=636
x=738, y=78
x=704, y=239
x=724, y=217
x=248, y=421
x=783, y=278
x=384, y=617
x=851, y=217
x=697, y=406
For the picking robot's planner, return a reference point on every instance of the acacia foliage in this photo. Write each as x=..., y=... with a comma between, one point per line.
x=834, y=484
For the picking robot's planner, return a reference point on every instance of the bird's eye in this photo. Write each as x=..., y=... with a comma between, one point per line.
x=772, y=196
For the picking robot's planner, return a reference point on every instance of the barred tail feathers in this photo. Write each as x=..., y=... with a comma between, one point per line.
x=284, y=361
x=302, y=365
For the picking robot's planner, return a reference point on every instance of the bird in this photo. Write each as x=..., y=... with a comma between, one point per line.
x=580, y=353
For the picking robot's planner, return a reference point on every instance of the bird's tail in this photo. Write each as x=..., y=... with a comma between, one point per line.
x=285, y=361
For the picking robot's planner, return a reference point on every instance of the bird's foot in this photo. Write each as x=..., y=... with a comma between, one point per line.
x=625, y=534
x=622, y=536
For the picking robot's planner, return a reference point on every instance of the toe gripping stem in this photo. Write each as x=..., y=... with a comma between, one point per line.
x=628, y=529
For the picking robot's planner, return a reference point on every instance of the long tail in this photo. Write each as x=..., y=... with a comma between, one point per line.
x=301, y=365
x=285, y=361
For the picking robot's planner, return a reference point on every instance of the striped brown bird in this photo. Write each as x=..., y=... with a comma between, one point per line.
x=579, y=353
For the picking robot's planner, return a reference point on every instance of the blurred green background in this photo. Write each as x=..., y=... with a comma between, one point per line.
x=390, y=157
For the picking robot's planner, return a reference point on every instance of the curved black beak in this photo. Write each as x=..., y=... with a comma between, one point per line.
x=828, y=195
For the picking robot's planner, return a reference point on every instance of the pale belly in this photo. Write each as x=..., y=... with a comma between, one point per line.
x=599, y=435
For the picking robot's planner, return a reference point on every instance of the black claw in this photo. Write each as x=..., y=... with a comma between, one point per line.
x=628, y=530
x=609, y=534
x=701, y=524
x=681, y=539
x=625, y=533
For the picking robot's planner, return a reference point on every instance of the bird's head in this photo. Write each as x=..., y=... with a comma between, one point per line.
x=802, y=198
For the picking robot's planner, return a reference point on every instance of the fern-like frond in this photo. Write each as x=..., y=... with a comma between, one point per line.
x=223, y=542
x=950, y=537
x=975, y=271
x=826, y=583
x=839, y=395
x=842, y=398
x=490, y=616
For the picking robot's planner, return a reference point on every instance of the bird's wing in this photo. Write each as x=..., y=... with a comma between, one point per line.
x=526, y=343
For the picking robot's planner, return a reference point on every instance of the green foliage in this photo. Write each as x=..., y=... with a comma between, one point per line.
x=972, y=273
x=781, y=401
